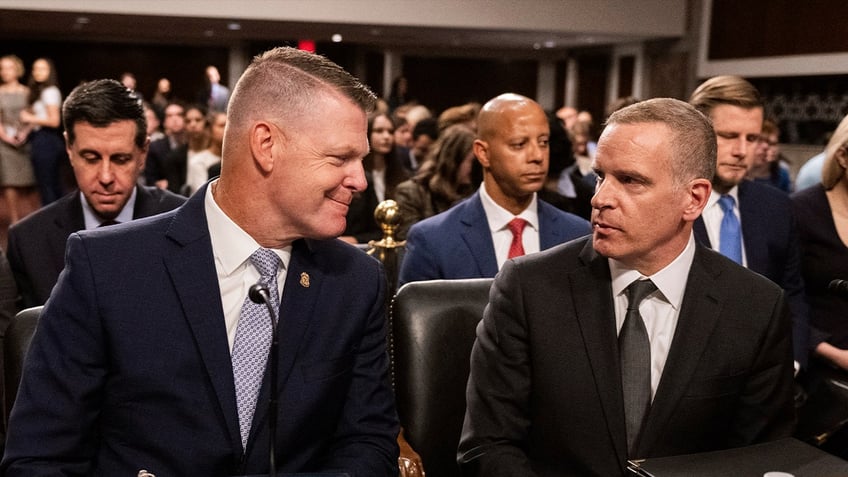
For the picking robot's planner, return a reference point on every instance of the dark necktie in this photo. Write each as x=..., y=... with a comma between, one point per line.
x=730, y=238
x=635, y=354
x=516, y=248
x=253, y=340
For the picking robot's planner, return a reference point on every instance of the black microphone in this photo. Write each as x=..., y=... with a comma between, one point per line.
x=259, y=294
x=838, y=287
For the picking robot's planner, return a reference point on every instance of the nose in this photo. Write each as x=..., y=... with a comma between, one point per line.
x=537, y=152
x=355, y=177
x=603, y=195
x=105, y=175
x=741, y=147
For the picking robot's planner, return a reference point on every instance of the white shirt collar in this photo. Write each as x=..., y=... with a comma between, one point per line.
x=231, y=245
x=498, y=217
x=671, y=280
x=715, y=196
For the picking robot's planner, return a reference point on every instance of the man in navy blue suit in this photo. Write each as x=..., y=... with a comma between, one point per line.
x=138, y=359
x=474, y=238
x=769, y=236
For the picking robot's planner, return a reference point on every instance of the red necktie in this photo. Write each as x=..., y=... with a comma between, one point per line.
x=516, y=248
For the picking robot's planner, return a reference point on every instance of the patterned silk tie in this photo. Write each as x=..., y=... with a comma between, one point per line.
x=516, y=248
x=635, y=354
x=253, y=340
x=730, y=236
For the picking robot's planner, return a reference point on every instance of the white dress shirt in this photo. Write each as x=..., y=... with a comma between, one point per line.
x=499, y=219
x=232, y=248
x=661, y=309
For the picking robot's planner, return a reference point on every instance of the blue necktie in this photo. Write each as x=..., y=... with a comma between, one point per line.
x=730, y=237
x=253, y=340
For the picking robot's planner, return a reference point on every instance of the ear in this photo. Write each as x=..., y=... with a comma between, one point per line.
x=842, y=157
x=68, y=147
x=481, y=151
x=144, y=150
x=262, y=142
x=697, y=194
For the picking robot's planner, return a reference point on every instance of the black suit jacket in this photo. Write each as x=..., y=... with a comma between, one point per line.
x=772, y=249
x=544, y=395
x=37, y=243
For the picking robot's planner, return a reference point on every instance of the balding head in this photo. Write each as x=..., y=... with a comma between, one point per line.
x=496, y=111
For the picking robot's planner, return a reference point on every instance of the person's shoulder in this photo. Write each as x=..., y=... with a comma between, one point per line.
x=762, y=192
x=568, y=219
x=446, y=219
x=36, y=221
x=339, y=253
x=165, y=199
x=730, y=274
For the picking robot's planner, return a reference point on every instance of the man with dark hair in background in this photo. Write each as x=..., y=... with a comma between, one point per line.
x=106, y=139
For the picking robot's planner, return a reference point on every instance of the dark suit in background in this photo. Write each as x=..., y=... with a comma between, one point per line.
x=770, y=238
x=458, y=243
x=545, y=396
x=158, y=365
x=37, y=243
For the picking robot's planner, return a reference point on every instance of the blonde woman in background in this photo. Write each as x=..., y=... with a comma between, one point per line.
x=16, y=172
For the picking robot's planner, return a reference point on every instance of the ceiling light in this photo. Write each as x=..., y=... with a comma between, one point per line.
x=550, y=44
x=209, y=33
x=337, y=38
x=83, y=20
x=537, y=46
x=233, y=26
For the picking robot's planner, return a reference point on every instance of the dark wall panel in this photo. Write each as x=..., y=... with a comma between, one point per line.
x=440, y=83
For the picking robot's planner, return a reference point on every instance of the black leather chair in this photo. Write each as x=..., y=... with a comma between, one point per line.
x=18, y=337
x=434, y=327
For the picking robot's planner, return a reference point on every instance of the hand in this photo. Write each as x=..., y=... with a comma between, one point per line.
x=836, y=356
x=27, y=117
x=409, y=461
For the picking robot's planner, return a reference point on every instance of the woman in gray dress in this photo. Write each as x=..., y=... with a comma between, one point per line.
x=16, y=172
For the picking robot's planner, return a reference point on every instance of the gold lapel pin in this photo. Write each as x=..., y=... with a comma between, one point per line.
x=304, y=280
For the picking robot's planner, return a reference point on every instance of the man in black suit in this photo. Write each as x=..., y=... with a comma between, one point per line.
x=768, y=235
x=566, y=380
x=106, y=139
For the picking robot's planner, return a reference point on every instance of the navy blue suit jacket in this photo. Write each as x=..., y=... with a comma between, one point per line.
x=770, y=239
x=458, y=244
x=130, y=366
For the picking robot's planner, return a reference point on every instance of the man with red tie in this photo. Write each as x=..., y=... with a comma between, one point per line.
x=504, y=218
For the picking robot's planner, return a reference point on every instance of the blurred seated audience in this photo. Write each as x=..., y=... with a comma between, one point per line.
x=157, y=156
x=443, y=179
x=821, y=212
x=383, y=172
x=465, y=114
x=564, y=188
x=424, y=134
x=199, y=165
x=767, y=165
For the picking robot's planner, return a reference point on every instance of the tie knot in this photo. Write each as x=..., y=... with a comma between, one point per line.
x=267, y=262
x=637, y=291
x=726, y=202
x=109, y=222
x=516, y=226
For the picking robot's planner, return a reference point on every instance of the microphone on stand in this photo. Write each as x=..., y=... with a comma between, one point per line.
x=838, y=287
x=259, y=294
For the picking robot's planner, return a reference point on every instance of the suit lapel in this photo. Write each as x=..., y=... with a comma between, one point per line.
x=592, y=293
x=700, y=230
x=753, y=239
x=66, y=223
x=192, y=270
x=699, y=314
x=475, y=232
x=548, y=231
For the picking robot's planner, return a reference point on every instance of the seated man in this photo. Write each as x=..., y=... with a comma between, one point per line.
x=106, y=137
x=635, y=342
x=504, y=218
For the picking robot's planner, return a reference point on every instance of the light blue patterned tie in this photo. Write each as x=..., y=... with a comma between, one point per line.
x=253, y=340
x=730, y=236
